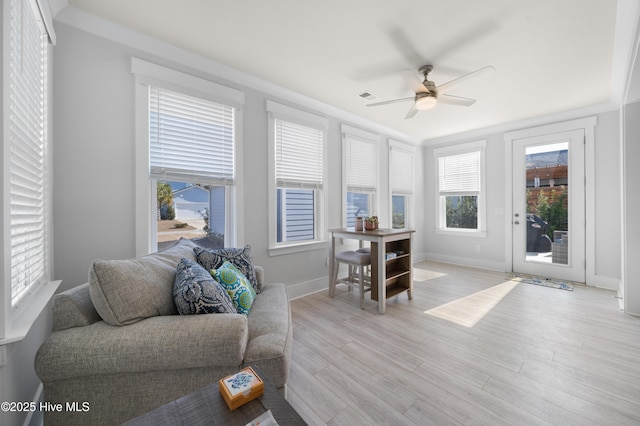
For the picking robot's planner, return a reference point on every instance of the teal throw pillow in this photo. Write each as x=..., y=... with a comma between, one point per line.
x=237, y=285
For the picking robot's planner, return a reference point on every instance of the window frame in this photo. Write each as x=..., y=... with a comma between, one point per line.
x=349, y=134
x=277, y=111
x=17, y=319
x=440, y=206
x=409, y=150
x=150, y=74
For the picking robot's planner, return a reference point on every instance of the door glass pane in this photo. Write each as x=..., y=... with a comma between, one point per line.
x=547, y=189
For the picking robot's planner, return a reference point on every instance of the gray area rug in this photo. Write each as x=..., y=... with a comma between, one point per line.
x=544, y=282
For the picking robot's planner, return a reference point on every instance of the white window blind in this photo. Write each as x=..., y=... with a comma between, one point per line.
x=299, y=155
x=27, y=101
x=361, y=166
x=401, y=171
x=190, y=139
x=460, y=173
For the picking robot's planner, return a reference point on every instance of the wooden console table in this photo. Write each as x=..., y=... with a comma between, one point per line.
x=388, y=276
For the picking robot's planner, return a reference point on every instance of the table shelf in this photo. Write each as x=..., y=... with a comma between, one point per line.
x=398, y=271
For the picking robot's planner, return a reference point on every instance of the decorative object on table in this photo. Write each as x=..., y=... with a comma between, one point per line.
x=371, y=223
x=240, y=388
x=359, y=225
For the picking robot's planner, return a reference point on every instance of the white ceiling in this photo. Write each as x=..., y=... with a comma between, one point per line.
x=550, y=56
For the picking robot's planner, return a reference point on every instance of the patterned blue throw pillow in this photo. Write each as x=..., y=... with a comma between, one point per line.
x=241, y=258
x=196, y=292
x=237, y=285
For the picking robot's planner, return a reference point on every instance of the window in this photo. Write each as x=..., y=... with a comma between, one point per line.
x=26, y=192
x=296, y=168
x=460, y=181
x=189, y=152
x=401, y=184
x=360, y=168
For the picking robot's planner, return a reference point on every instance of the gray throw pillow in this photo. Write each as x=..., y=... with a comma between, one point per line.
x=127, y=291
x=241, y=258
x=196, y=292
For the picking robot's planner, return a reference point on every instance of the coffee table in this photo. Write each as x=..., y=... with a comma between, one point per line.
x=207, y=407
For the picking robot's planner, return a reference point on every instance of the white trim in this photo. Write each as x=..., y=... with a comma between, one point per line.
x=44, y=10
x=359, y=133
x=26, y=316
x=404, y=148
x=348, y=133
x=147, y=73
x=544, y=120
x=588, y=125
x=465, y=261
x=277, y=111
x=624, y=48
x=481, y=231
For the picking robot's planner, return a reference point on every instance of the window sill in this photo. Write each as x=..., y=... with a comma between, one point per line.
x=27, y=316
x=297, y=248
x=462, y=233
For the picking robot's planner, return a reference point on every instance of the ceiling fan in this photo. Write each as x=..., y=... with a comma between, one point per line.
x=427, y=94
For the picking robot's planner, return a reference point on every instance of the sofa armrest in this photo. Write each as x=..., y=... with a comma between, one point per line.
x=271, y=334
x=171, y=342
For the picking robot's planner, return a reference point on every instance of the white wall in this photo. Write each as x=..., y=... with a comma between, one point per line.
x=463, y=249
x=607, y=196
x=94, y=130
x=632, y=207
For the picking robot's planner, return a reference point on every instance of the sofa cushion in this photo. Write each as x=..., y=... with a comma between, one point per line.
x=237, y=285
x=196, y=292
x=241, y=258
x=127, y=291
x=73, y=308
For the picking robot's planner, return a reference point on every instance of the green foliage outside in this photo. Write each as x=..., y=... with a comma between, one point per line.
x=165, y=201
x=398, y=221
x=553, y=212
x=463, y=213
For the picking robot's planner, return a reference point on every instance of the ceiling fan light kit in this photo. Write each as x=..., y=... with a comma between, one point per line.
x=427, y=101
x=427, y=94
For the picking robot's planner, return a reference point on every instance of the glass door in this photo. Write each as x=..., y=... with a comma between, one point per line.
x=549, y=206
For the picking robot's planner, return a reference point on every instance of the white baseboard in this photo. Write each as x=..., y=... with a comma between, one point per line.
x=466, y=261
x=600, y=281
x=308, y=287
x=38, y=420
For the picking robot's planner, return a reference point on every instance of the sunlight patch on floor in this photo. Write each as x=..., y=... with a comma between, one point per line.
x=424, y=275
x=470, y=309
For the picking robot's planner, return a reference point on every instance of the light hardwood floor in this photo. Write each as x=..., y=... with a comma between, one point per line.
x=539, y=356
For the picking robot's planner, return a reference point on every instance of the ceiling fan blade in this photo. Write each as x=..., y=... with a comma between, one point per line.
x=453, y=83
x=393, y=101
x=455, y=100
x=413, y=111
x=413, y=81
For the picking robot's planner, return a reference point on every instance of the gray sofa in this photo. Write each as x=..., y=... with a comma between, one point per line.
x=116, y=372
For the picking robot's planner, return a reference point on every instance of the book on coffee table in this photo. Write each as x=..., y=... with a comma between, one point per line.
x=265, y=419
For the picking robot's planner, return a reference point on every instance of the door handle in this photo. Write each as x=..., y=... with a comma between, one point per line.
x=516, y=223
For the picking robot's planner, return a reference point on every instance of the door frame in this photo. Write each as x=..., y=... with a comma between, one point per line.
x=588, y=125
